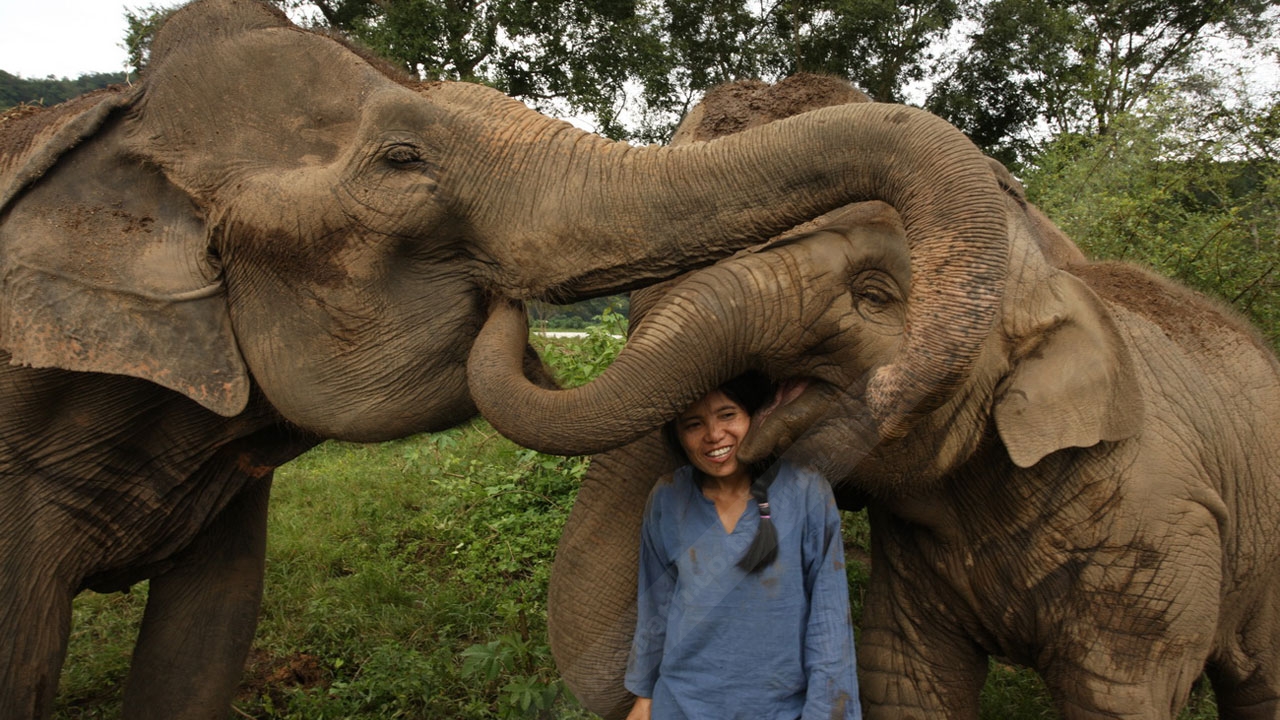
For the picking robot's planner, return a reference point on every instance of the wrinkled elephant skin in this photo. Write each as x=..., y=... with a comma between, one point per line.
x=1096, y=499
x=272, y=239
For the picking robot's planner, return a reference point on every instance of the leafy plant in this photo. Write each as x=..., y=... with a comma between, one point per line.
x=577, y=360
x=1189, y=189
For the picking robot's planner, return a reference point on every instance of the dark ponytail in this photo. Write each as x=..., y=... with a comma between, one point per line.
x=764, y=546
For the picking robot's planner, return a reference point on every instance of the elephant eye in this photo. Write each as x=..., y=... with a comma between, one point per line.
x=874, y=291
x=403, y=155
x=875, y=295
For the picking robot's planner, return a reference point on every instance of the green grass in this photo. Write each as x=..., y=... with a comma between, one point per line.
x=408, y=580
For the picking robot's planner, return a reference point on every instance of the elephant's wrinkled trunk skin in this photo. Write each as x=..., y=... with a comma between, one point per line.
x=576, y=421
x=696, y=338
x=592, y=207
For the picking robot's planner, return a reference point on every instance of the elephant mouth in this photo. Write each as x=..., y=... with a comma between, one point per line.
x=817, y=423
x=799, y=404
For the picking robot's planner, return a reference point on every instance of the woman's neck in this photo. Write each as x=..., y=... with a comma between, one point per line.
x=737, y=483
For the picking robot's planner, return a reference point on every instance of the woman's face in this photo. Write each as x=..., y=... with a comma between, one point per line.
x=710, y=432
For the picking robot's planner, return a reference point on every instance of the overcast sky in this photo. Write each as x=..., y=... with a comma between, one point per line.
x=63, y=38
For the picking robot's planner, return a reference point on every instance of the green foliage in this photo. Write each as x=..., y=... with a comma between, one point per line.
x=579, y=315
x=1076, y=67
x=880, y=45
x=1156, y=190
x=16, y=90
x=574, y=361
x=142, y=25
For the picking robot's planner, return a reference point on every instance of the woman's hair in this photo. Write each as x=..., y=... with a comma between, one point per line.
x=751, y=391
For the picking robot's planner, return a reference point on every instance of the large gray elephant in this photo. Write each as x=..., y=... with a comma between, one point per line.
x=1095, y=496
x=274, y=239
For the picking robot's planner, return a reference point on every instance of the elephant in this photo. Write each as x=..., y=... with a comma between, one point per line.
x=1094, y=496
x=590, y=622
x=272, y=239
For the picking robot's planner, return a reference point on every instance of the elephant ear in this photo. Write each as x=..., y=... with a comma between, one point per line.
x=104, y=263
x=1073, y=382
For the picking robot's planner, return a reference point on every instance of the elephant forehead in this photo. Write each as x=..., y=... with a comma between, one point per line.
x=267, y=96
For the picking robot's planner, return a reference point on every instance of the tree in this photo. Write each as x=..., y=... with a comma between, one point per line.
x=1074, y=66
x=559, y=56
x=16, y=90
x=141, y=26
x=880, y=45
x=1189, y=186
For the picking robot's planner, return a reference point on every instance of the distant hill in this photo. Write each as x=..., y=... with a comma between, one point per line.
x=16, y=90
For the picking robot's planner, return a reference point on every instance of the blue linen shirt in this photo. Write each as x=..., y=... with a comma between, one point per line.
x=713, y=642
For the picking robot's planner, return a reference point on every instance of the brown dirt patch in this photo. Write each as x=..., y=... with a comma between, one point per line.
x=734, y=107
x=272, y=675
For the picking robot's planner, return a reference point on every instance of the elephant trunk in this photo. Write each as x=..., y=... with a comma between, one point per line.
x=698, y=336
x=586, y=208
x=591, y=596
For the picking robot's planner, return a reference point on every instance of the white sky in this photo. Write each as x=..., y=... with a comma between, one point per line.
x=63, y=38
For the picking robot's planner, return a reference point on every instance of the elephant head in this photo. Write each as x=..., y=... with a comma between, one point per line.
x=946, y=321
x=271, y=204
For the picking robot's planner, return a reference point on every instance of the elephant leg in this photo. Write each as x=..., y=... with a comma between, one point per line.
x=1246, y=672
x=914, y=663
x=201, y=616
x=1134, y=635
x=35, y=622
x=913, y=670
x=591, y=605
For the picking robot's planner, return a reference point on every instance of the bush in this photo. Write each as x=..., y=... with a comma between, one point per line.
x=1181, y=191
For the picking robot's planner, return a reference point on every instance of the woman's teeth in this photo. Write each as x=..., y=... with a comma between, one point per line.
x=719, y=452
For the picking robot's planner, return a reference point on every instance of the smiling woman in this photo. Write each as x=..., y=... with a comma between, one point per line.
x=743, y=604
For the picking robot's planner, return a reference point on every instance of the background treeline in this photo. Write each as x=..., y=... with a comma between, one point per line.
x=16, y=90
x=577, y=316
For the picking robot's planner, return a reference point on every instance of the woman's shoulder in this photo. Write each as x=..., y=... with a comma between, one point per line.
x=803, y=488
x=802, y=477
x=670, y=488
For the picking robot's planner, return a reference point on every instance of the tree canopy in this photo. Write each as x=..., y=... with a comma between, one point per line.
x=15, y=90
x=1075, y=66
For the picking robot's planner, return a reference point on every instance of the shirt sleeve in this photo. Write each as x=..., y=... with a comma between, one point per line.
x=830, y=664
x=657, y=579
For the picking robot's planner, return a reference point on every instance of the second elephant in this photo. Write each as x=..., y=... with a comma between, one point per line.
x=1094, y=496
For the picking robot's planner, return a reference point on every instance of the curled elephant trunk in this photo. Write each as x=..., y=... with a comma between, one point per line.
x=938, y=182
x=756, y=311
x=953, y=217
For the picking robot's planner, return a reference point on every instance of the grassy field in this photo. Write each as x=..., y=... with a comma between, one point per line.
x=408, y=580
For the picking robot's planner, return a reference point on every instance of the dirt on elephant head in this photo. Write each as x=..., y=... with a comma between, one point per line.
x=23, y=128
x=737, y=106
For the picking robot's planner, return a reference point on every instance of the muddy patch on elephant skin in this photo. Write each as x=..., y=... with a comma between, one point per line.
x=734, y=107
x=1186, y=316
